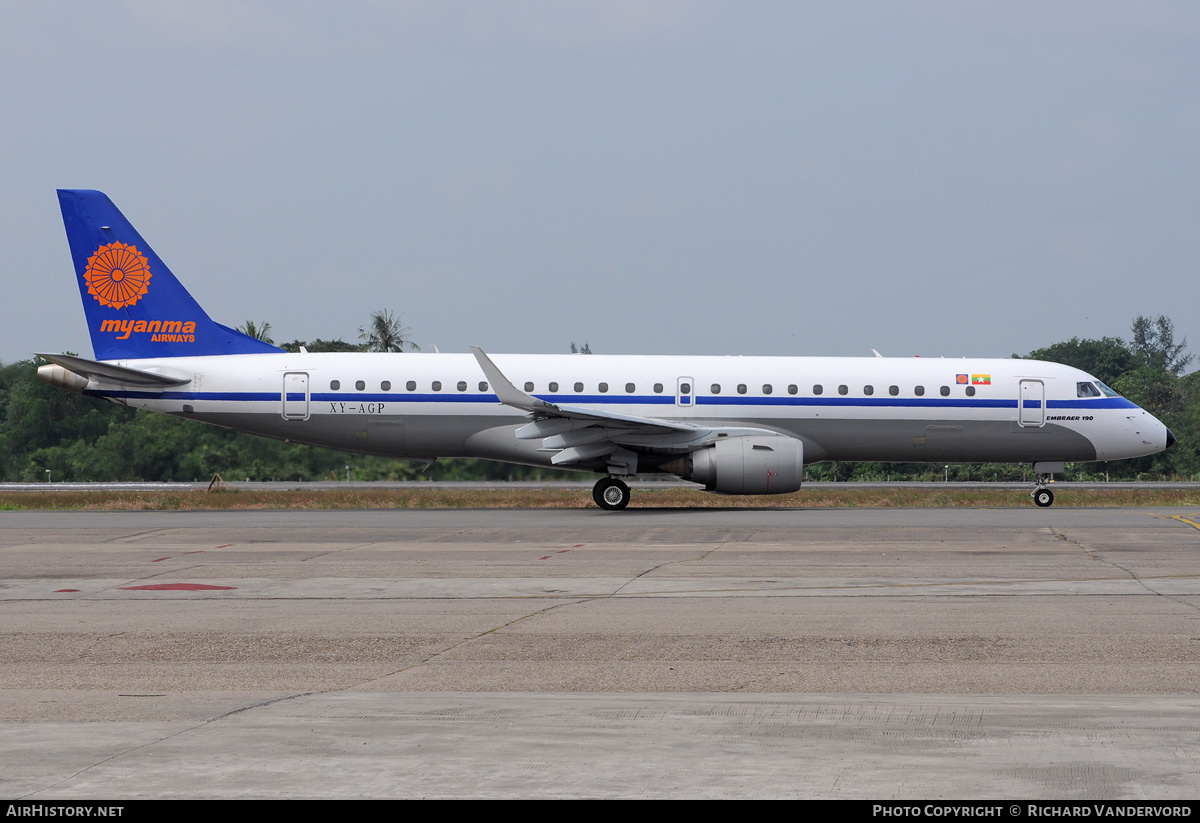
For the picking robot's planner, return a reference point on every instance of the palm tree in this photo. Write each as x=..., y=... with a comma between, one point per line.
x=385, y=333
x=259, y=331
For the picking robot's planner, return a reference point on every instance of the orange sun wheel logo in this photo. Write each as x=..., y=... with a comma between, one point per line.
x=117, y=275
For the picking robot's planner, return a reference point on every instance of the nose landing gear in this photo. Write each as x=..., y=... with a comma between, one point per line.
x=1041, y=494
x=1046, y=469
x=611, y=494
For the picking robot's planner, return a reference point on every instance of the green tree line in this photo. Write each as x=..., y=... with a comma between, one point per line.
x=1148, y=369
x=49, y=433
x=78, y=438
x=81, y=439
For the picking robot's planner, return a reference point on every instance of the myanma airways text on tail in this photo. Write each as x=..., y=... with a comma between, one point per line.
x=736, y=425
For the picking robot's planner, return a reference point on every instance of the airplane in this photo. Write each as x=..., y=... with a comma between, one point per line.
x=735, y=425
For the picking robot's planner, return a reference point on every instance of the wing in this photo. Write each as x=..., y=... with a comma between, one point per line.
x=578, y=434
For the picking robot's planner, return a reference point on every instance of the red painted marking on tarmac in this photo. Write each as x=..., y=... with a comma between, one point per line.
x=226, y=546
x=59, y=591
x=177, y=587
x=198, y=551
x=577, y=546
x=560, y=551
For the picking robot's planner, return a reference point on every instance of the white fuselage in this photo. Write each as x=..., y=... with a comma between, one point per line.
x=859, y=409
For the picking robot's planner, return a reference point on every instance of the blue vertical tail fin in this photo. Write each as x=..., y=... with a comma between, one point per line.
x=135, y=307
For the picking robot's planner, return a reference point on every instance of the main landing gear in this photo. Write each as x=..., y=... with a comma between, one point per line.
x=1041, y=494
x=610, y=494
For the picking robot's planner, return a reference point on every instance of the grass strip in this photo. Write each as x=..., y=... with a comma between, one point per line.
x=550, y=498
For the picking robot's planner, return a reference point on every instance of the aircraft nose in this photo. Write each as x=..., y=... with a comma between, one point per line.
x=1170, y=438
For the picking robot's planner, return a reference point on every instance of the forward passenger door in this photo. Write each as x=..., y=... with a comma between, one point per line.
x=1032, y=404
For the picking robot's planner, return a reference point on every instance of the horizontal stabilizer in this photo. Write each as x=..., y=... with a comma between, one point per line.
x=108, y=373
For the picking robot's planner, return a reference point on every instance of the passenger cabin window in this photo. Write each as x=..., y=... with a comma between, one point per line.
x=685, y=388
x=715, y=388
x=767, y=388
x=483, y=385
x=793, y=388
x=919, y=391
x=868, y=390
x=603, y=388
x=437, y=385
x=360, y=385
x=741, y=388
x=893, y=390
x=386, y=385
x=335, y=384
x=843, y=389
x=818, y=389
x=970, y=391
x=1086, y=390
x=945, y=391
x=578, y=387
x=658, y=388
x=630, y=388
x=462, y=385
x=528, y=387
x=411, y=385
x=553, y=386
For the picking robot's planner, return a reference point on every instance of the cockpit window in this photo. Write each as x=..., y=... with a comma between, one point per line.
x=1108, y=392
x=1086, y=390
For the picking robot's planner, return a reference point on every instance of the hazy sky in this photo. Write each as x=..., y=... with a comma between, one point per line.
x=935, y=178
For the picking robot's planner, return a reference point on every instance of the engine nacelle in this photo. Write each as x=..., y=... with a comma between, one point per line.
x=771, y=464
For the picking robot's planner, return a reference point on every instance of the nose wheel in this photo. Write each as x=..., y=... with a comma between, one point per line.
x=611, y=494
x=1042, y=495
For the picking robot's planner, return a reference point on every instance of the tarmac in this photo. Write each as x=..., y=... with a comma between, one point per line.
x=843, y=653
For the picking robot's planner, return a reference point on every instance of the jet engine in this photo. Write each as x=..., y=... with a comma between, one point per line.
x=770, y=464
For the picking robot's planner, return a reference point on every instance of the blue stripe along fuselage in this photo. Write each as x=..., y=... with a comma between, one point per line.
x=608, y=399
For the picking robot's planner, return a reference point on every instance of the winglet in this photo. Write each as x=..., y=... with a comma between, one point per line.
x=506, y=392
